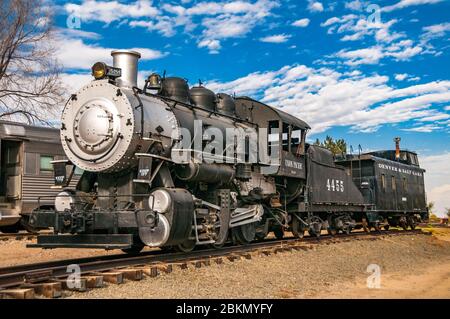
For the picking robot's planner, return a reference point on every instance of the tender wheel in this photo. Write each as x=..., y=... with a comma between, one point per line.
x=377, y=226
x=315, y=227
x=365, y=225
x=297, y=228
x=403, y=223
x=412, y=222
x=186, y=246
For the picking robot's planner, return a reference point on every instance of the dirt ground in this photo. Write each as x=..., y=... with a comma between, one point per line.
x=411, y=266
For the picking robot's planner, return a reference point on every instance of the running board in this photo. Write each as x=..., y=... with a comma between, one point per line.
x=115, y=241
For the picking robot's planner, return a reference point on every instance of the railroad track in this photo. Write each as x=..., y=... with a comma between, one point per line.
x=17, y=236
x=49, y=279
x=22, y=235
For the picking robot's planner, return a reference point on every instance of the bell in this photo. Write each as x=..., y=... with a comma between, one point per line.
x=154, y=82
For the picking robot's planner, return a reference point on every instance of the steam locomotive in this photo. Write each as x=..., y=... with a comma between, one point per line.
x=176, y=167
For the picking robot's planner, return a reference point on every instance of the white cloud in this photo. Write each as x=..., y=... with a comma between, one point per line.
x=232, y=20
x=74, y=81
x=407, y=3
x=278, y=38
x=400, y=51
x=212, y=45
x=355, y=28
x=437, y=179
x=216, y=19
x=435, y=31
x=438, y=29
x=362, y=56
x=109, y=11
x=246, y=85
x=77, y=33
x=435, y=116
x=427, y=128
x=407, y=77
x=401, y=76
x=163, y=25
x=301, y=23
x=355, y=5
x=327, y=98
x=74, y=53
x=315, y=6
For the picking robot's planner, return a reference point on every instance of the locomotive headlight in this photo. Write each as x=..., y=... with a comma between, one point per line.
x=99, y=70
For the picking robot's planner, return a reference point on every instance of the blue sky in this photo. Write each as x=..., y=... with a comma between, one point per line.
x=366, y=71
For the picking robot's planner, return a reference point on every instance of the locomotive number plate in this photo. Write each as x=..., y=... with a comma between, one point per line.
x=335, y=185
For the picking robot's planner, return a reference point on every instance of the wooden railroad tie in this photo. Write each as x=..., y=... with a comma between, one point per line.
x=20, y=293
x=134, y=274
x=111, y=277
x=80, y=285
x=246, y=255
x=233, y=257
x=183, y=265
x=93, y=281
x=46, y=289
x=265, y=252
x=153, y=270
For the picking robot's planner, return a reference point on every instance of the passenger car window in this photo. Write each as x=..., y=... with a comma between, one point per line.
x=45, y=163
x=13, y=155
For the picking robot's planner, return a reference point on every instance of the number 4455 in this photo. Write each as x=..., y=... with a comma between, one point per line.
x=335, y=185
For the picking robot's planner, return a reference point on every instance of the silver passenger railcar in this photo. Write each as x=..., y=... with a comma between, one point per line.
x=26, y=172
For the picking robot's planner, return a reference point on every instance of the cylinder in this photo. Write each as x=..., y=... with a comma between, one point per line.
x=127, y=61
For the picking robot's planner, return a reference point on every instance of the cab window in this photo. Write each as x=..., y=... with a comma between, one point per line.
x=273, y=135
x=297, y=141
x=286, y=137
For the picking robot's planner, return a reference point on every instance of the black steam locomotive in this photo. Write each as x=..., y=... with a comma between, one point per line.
x=173, y=167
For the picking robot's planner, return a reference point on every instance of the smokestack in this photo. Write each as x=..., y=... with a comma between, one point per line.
x=127, y=61
x=397, y=147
